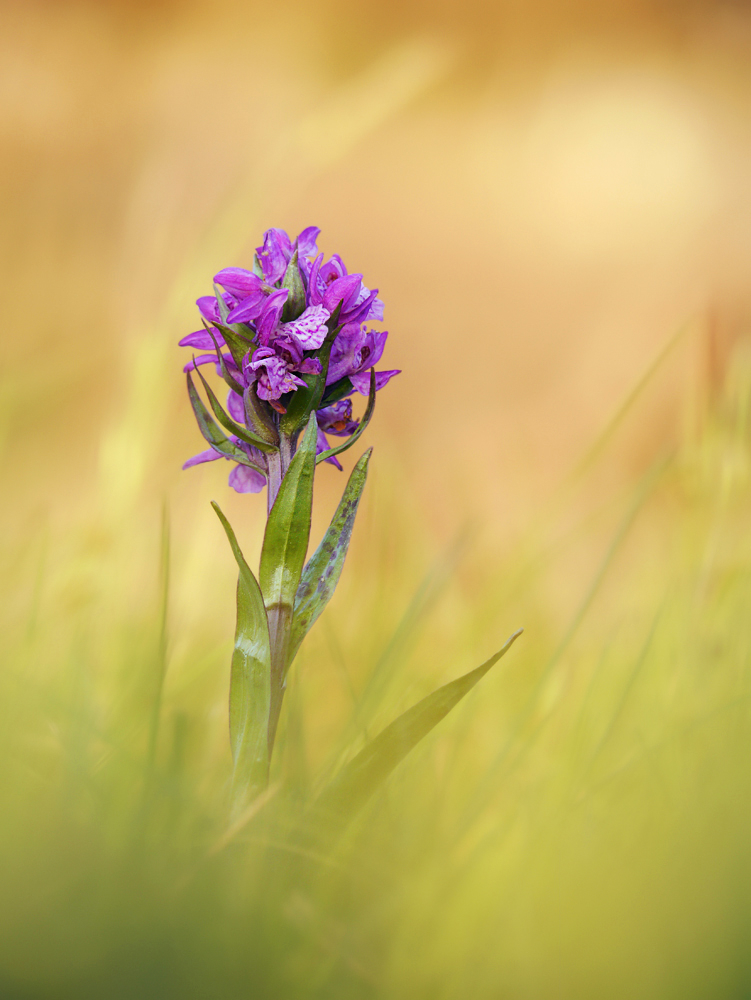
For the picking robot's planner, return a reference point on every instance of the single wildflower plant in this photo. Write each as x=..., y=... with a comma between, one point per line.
x=292, y=340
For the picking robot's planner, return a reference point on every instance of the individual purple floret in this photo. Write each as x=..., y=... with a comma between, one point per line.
x=285, y=322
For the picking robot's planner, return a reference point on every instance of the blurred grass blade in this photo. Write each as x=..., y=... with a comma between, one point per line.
x=321, y=575
x=359, y=779
x=219, y=441
x=229, y=424
x=250, y=683
x=338, y=449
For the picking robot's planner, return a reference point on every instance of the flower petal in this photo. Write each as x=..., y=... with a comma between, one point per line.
x=202, y=359
x=209, y=308
x=344, y=290
x=361, y=382
x=306, y=241
x=309, y=329
x=235, y=407
x=202, y=340
x=238, y=281
x=203, y=456
x=249, y=308
x=322, y=444
x=243, y=479
x=268, y=320
x=274, y=255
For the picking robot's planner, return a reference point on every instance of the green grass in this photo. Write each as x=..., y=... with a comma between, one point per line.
x=578, y=827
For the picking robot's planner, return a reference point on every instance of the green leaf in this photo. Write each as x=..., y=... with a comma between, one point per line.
x=336, y=391
x=250, y=683
x=219, y=441
x=223, y=307
x=321, y=575
x=229, y=424
x=229, y=379
x=285, y=541
x=256, y=416
x=360, y=778
x=338, y=449
x=237, y=344
x=292, y=281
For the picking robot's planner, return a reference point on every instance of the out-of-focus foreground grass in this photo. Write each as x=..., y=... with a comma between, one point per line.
x=579, y=827
x=543, y=198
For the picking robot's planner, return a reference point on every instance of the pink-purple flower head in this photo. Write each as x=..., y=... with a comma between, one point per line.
x=294, y=315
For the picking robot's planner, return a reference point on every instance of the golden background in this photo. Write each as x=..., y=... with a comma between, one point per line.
x=554, y=199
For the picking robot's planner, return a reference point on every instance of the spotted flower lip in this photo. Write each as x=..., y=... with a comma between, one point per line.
x=283, y=308
x=310, y=329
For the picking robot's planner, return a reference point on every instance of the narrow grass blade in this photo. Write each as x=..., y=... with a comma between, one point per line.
x=229, y=424
x=250, y=683
x=219, y=441
x=321, y=575
x=338, y=449
x=359, y=779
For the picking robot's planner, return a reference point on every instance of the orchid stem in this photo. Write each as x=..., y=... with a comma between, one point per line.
x=279, y=615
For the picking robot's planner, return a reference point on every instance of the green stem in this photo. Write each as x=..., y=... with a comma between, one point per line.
x=279, y=615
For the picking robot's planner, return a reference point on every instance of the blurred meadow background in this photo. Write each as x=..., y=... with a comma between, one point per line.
x=554, y=200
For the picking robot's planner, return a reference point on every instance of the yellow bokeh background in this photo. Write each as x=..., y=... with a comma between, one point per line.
x=554, y=201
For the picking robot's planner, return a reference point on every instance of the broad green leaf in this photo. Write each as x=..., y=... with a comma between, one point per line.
x=250, y=683
x=285, y=541
x=338, y=449
x=219, y=441
x=321, y=575
x=360, y=778
x=229, y=424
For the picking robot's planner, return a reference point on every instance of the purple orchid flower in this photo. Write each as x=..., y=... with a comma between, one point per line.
x=283, y=352
x=272, y=374
x=337, y=418
x=355, y=351
x=334, y=419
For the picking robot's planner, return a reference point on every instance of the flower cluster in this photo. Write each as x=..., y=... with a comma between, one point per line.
x=298, y=315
